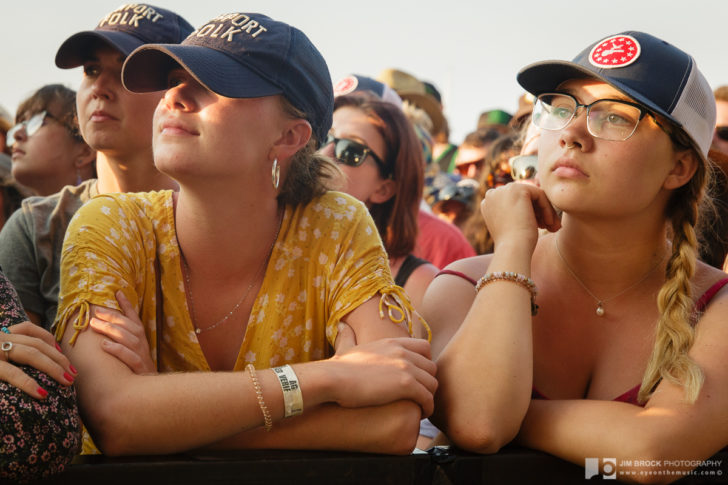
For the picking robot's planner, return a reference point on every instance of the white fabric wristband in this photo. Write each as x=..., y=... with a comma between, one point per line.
x=292, y=397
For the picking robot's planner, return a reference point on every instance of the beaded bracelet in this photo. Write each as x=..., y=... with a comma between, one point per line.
x=268, y=422
x=522, y=280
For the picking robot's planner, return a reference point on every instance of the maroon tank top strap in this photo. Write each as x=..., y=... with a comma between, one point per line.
x=457, y=273
x=708, y=295
x=630, y=396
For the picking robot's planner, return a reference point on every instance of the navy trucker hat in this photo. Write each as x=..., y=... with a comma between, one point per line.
x=243, y=55
x=651, y=71
x=125, y=29
x=356, y=83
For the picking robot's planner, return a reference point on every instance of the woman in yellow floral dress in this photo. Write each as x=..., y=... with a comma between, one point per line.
x=252, y=265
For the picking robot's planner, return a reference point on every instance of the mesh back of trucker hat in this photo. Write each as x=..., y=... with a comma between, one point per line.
x=695, y=110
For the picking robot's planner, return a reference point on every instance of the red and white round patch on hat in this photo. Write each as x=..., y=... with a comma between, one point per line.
x=616, y=51
x=345, y=86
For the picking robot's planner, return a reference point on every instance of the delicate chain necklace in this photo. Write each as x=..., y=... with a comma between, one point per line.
x=600, y=302
x=188, y=288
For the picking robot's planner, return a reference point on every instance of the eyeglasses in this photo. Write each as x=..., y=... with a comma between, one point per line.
x=722, y=132
x=353, y=153
x=608, y=119
x=523, y=167
x=32, y=126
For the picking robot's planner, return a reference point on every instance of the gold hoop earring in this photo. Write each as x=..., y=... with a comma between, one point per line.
x=276, y=174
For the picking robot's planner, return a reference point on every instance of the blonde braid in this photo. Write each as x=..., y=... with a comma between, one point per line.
x=675, y=333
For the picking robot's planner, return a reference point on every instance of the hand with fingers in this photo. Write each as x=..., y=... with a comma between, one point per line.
x=383, y=371
x=515, y=212
x=40, y=428
x=126, y=339
x=29, y=345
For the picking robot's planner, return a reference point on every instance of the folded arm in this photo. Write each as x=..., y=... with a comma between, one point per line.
x=388, y=381
x=668, y=429
x=486, y=370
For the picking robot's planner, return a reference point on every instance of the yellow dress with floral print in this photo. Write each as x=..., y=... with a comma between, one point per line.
x=327, y=260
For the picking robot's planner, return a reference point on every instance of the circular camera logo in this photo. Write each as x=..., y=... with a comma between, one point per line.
x=615, y=51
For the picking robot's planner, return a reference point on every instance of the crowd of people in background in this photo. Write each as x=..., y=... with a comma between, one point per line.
x=367, y=228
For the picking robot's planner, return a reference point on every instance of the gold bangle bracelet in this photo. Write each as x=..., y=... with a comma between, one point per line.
x=268, y=422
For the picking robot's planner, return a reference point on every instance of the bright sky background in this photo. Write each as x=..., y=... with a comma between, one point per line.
x=471, y=50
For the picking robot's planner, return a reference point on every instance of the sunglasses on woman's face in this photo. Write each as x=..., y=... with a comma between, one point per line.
x=523, y=167
x=722, y=132
x=33, y=124
x=353, y=153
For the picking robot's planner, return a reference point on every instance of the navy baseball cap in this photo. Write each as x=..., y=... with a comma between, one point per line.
x=125, y=29
x=243, y=55
x=651, y=71
x=356, y=83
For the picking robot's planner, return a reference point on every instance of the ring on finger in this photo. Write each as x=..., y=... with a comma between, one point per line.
x=7, y=347
x=5, y=330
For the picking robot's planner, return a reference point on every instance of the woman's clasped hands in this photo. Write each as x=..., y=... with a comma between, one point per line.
x=382, y=371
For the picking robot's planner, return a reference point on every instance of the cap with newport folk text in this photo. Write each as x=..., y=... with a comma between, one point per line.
x=651, y=71
x=243, y=55
x=125, y=29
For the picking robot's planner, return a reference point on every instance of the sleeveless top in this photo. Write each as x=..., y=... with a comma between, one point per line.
x=629, y=396
x=409, y=265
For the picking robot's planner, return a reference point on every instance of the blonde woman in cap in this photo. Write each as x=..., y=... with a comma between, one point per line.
x=114, y=122
x=266, y=300
x=622, y=352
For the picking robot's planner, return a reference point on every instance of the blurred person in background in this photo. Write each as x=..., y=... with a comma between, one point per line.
x=495, y=174
x=6, y=122
x=11, y=192
x=48, y=151
x=713, y=227
x=470, y=158
x=456, y=202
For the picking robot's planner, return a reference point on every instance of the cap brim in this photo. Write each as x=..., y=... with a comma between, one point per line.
x=146, y=70
x=76, y=49
x=429, y=105
x=546, y=76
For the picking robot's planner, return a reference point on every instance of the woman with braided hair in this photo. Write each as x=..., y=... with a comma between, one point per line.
x=623, y=349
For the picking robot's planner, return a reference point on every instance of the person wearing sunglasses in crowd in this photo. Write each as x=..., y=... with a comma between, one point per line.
x=266, y=300
x=113, y=121
x=470, y=158
x=623, y=347
x=381, y=160
x=48, y=151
